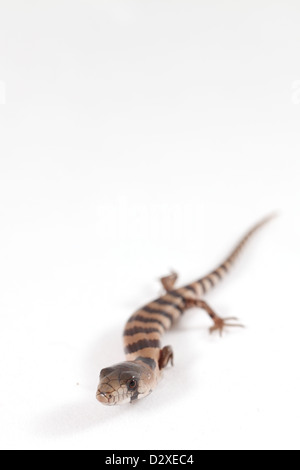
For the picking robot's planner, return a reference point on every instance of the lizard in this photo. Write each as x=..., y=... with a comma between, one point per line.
x=137, y=377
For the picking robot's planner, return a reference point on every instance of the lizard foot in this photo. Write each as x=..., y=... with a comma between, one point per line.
x=221, y=323
x=169, y=281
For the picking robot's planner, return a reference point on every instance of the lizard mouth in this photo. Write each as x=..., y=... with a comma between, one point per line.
x=105, y=398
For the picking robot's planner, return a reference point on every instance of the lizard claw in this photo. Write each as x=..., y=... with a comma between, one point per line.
x=221, y=323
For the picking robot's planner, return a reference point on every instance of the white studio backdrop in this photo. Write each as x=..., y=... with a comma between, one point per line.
x=137, y=137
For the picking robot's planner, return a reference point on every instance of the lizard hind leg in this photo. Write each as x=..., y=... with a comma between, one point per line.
x=169, y=281
x=219, y=323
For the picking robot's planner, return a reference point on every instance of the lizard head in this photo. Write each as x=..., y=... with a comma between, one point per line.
x=126, y=382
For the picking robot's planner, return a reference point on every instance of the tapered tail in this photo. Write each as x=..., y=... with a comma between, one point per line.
x=206, y=283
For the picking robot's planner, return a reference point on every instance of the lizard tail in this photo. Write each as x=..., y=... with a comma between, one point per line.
x=209, y=281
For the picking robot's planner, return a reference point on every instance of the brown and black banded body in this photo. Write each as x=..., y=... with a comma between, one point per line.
x=145, y=358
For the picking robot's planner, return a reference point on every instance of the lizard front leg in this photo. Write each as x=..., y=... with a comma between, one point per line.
x=219, y=323
x=166, y=356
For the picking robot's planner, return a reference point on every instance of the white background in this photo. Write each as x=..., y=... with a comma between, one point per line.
x=139, y=136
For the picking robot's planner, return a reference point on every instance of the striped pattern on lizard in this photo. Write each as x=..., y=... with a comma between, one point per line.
x=145, y=359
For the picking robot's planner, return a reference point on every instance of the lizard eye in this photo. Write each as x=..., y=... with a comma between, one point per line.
x=132, y=384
